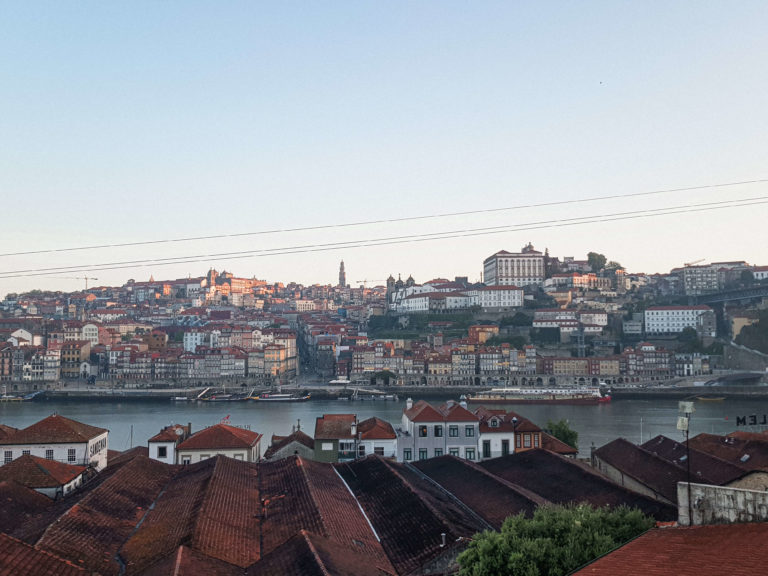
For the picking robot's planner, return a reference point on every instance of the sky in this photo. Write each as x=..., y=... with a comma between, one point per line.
x=146, y=121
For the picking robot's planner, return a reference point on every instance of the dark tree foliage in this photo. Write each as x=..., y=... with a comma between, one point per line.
x=596, y=261
x=556, y=541
x=563, y=432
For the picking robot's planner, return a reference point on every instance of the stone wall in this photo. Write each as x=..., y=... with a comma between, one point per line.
x=738, y=357
x=720, y=505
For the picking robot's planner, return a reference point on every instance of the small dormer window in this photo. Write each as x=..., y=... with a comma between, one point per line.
x=494, y=423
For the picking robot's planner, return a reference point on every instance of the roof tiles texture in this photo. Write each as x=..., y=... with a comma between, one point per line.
x=376, y=429
x=36, y=472
x=280, y=442
x=222, y=437
x=751, y=454
x=489, y=496
x=55, y=430
x=185, y=561
x=733, y=549
x=561, y=480
x=20, y=507
x=334, y=426
x=703, y=465
x=20, y=559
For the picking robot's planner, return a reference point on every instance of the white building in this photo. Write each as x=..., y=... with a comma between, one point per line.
x=760, y=272
x=220, y=439
x=514, y=268
x=498, y=297
x=162, y=446
x=51, y=478
x=60, y=439
x=375, y=436
x=675, y=319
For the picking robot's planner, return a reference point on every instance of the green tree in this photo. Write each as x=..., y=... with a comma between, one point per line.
x=519, y=319
x=556, y=541
x=596, y=261
x=563, y=432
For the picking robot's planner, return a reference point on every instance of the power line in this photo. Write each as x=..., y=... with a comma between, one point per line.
x=646, y=213
x=386, y=220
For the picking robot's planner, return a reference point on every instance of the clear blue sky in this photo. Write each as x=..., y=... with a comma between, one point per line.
x=139, y=121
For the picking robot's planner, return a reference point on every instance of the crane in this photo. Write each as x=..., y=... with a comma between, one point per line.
x=687, y=264
x=86, y=278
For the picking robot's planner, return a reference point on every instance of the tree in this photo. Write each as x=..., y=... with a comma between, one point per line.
x=596, y=261
x=556, y=541
x=563, y=432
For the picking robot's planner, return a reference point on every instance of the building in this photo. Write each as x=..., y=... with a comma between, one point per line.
x=54, y=479
x=675, y=319
x=60, y=439
x=297, y=443
x=220, y=439
x=376, y=436
x=162, y=446
x=502, y=433
x=522, y=268
x=336, y=438
x=429, y=432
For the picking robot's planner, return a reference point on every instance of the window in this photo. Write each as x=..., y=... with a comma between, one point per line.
x=8, y=457
x=422, y=453
x=517, y=440
x=438, y=452
x=327, y=446
x=71, y=456
x=186, y=459
x=422, y=431
x=204, y=456
x=504, y=447
x=162, y=452
x=469, y=430
x=407, y=454
x=361, y=451
x=535, y=440
x=25, y=452
x=469, y=453
x=378, y=450
x=438, y=431
x=486, y=448
x=239, y=456
x=527, y=440
x=453, y=431
x=453, y=452
x=49, y=454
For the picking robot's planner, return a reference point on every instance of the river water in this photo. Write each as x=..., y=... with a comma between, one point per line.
x=132, y=423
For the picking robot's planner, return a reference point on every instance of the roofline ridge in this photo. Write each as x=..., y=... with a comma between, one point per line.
x=312, y=497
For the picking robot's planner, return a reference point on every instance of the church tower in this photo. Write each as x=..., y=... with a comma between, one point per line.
x=342, y=275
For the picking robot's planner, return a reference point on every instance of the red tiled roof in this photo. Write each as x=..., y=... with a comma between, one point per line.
x=307, y=554
x=732, y=549
x=376, y=429
x=334, y=426
x=455, y=412
x=221, y=436
x=36, y=472
x=55, y=429
x=6, y=432
x=423, y=411
x=20, y=506
x=169, y=433
x=20, y=559
x=557, y=446
x=189, y=561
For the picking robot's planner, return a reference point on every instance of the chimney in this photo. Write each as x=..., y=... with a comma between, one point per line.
x=409, y=404
x=463, y=404
x=189, y=428
x=353, y=428
x=298, y=427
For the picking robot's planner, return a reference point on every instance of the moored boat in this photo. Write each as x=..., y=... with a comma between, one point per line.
x=279, y=397
x=586, y=395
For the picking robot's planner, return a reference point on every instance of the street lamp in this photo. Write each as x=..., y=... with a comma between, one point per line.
x=683, y=423
x=514, y=434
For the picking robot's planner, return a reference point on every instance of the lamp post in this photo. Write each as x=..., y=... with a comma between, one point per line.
x=514, y=434
x=683, y=423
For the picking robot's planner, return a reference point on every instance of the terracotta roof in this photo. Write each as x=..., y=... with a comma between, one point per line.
x=307, y=554
x=55, y=429
x=222, y=437
x=20, y=559
x=562, y=480
x=188, y=561
x=733, y=549
x=20, y=506
x=36, y=472
x=334, y=426
x=376, y=429
x=93, y=530
x=455, y=412
x=408, y=523
x=423, y=411
x=703, y=465
x=493, y=498
x=280, y=442
x=549, y=442
x=6, y=432
x=170, y=433
x=750, y=454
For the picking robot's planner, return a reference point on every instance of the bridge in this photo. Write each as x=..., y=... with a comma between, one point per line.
x=750, y=293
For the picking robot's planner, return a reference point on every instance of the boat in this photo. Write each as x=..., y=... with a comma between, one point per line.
x=710, y=398
x=279, y=397
x=582, y=395
x=225, y=398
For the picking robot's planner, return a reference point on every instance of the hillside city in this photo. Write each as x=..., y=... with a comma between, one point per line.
x=535, y=319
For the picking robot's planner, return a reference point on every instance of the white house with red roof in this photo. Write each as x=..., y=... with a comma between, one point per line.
x=220, y=439
x=162, y=446
x=376, y=436
x=60, y=439
x=54, y=479
x=760, y=272
x=428, y=432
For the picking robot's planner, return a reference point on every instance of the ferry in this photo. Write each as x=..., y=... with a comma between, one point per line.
x=279, y=397
x=585, y=395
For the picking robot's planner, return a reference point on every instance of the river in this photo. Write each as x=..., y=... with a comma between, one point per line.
x=134, y=422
